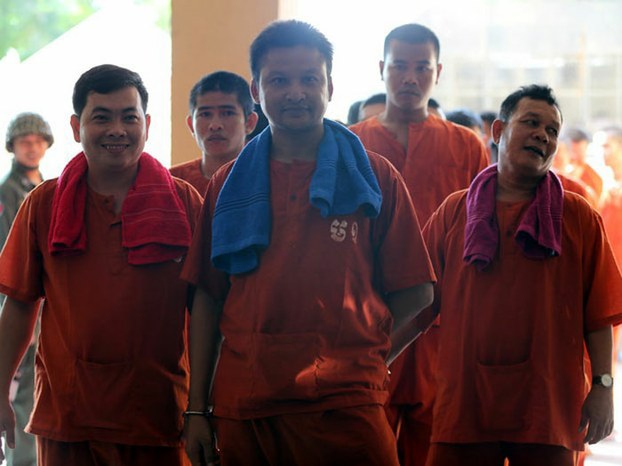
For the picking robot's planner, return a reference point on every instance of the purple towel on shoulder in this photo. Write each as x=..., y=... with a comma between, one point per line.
x=540, y=228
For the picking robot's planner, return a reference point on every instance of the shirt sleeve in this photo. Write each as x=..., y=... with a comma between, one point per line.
x=198, y=268
x=21, y=267
x=602, y=280
x=401, y=254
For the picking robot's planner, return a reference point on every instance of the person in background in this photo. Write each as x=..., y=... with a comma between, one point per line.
x=611, y=207
x=436, y=158
x=372, y=106
x=354, y=112
x=577, y=141
x=469, y=119
x=221, y=117
x=28, y=138
x=434, y=108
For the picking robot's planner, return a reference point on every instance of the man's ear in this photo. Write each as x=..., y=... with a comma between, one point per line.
x=439, y=68
x=381, y=68
x=255, y=90
x=74, y=121
x=496, y=129
x=330, y=88
x=190, y=124
x=147, y=125
x=251, y=122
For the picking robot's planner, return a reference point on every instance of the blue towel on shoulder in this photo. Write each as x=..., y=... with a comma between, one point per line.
x=342, y=183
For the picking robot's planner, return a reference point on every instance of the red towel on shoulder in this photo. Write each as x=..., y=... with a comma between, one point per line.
x=154, y=223
x=540, y=229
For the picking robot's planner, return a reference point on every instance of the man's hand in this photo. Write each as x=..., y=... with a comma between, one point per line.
x=200, y=441
x=7, y=425
x=597, y=414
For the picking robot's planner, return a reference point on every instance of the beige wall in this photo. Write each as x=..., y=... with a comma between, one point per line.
x=209, y=35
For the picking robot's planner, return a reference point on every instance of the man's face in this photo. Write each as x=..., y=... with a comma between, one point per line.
x=293, y=88
x=218, y=125
x=112, y=129
x=410, y=72
x=528, y=141
x=29, y=150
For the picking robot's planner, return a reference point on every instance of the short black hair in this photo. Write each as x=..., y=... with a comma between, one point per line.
x=465, y=117
x=290, y=33
x=413, y=34
x=533, y=91
x=353, y=112
x=104, y=79
x=226, y=82
x=576, y=134
x=379, y=98
x=488, y=116
x=433, y=103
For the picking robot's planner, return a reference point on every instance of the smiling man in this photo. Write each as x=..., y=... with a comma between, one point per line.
x=221, y=117
x=527, y=278
x=103, y=244
x=302, y=274
x=436, y=158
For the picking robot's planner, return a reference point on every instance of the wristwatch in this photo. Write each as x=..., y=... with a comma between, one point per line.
x=604, y=379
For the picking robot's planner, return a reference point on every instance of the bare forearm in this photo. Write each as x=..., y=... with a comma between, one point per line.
x=597, y=410
x=17, y=323
x=600, y=349
x=205, y=340
x=405, y=305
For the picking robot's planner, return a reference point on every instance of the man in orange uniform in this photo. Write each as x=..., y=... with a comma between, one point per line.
x=104, y=245
x=304, y=243
x=436, y=158
x=611, y=206
x=526, y=278
x=578, y=141
x=221, y=116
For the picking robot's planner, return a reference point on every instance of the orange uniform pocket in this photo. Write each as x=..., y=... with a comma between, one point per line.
x=503, y=393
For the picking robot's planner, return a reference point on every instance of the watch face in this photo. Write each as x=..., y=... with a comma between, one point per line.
x=606, y=380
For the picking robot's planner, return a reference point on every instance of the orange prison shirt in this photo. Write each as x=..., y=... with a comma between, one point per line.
x=308, y=330
x=611, y=211
x=111, y=364
x=577, y=187
x=510, y=362
x=441, y=158
x=191, y=172
x=591, y=178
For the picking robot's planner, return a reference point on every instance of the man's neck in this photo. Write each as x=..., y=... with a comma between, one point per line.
x=112, y=184
x=288, y=146
x=510, y=189
x=395, y=116
x=209, y=164
x=33, y=175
